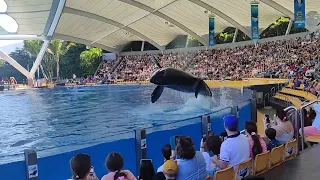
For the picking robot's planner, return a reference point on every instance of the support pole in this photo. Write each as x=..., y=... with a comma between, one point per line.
x=39, y=57
x=31, y=164
x=15, y=64
x=142, y=45
x=141, y=147
x=289, y=26
x=235, y=35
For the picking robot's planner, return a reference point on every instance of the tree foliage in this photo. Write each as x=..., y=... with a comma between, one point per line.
x=22, y=57
x=71, y=63
x=90, y=60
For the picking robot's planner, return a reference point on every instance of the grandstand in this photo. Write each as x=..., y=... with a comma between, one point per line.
x=112, y=25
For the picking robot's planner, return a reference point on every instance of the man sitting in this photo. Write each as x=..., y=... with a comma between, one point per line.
x=235, y=149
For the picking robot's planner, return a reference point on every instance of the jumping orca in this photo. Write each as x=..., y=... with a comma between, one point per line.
x=177, y=80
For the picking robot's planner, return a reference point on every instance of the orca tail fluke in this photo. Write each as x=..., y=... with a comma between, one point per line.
x=203, y=89
x=156, y=93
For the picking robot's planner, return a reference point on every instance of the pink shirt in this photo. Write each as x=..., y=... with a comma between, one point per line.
x=110, y=176
x=262, y=142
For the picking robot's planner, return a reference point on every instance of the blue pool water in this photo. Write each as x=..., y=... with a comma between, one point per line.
x=68, y=118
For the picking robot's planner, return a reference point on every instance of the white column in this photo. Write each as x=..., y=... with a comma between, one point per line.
x=142, y=46
x=235, y=35
x=15, y=64
x=39, y=57
x=289, y=26
x=187, y=41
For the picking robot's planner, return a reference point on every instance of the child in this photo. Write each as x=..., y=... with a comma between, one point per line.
x=271, y=134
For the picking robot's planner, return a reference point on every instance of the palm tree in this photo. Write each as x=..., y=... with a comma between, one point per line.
x=58, y=48
x=33, y=47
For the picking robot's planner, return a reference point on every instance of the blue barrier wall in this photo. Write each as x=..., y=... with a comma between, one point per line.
x=56, y=167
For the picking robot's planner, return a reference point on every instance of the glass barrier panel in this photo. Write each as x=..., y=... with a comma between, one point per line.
x=217, y=125
x=244, y=113
x=157, y=139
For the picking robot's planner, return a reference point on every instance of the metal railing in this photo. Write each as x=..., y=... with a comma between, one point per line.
x=302, y=120
x=296, y=116
x=264, y=99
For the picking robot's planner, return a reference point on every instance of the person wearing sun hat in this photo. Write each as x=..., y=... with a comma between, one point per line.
x=170, y=169
x=235, y=149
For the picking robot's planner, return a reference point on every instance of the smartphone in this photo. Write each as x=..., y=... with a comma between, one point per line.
x=173, y=141
x=266, y=116
x=204, y=138
x=145, y=161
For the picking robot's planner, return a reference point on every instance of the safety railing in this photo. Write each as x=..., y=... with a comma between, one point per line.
x=265, y=100
x=295, y=119
x=302, y=120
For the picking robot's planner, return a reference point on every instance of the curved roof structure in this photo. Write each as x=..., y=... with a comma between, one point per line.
x=110, y=24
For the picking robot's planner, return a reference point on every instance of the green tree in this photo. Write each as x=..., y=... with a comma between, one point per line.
x=33, y=47
x=58, y=48
x=22, y=57
x=70, y=62
x=90, y=60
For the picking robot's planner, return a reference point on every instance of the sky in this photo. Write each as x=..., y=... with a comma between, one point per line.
x=9, y=42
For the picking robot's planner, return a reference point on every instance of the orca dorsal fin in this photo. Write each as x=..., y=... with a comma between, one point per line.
x=156, y=93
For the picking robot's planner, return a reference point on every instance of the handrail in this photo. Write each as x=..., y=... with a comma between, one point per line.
x=302, y=120
x=264, y=99
x=272, y=94
x=287, y=109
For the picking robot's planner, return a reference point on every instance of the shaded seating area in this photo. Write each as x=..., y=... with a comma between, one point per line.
x=262, y=164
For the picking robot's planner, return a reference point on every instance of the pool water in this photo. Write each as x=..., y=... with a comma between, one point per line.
x=68, y=118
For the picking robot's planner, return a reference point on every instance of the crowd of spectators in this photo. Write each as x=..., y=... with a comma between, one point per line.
x=183, y=162
x=281, y=58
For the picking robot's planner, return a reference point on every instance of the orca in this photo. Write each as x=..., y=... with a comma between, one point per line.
x=177, y=80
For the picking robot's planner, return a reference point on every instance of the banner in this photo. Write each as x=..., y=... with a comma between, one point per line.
x=211, y=32
x=254, y=21
x=299, y=13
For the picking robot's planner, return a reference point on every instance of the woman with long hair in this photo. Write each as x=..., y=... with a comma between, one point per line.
x=257, y=144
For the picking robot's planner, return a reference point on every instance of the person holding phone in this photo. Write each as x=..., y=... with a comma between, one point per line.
x=81, y=168
x=146, y=170
x=114, y=164
x=209, y=148
x=191, y=165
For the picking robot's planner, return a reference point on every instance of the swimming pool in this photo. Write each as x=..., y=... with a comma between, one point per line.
x=67, y=118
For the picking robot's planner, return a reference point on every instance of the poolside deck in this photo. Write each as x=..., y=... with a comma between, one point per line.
x=306, y=166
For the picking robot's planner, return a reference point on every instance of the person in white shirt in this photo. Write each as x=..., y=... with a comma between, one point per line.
x=235, y=149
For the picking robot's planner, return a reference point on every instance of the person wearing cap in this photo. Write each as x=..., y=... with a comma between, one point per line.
x=170, y=169
x=235, y=149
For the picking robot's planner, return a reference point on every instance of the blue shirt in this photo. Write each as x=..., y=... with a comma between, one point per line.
x=316, y=122
x=272, y=144
x=192, y=169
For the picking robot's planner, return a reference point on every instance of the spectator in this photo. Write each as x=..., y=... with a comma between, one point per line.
x=235, y=149
x=166, y=153
x=313, y=130
x=170, y=169
x=273, y=142
x=80, y=165
x=146, y=170
x=114, y=164
x=212, y=146
x=257, y=144
x=284, y=128
x=192, y=165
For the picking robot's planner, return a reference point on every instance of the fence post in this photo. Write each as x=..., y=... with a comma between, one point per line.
x=206, y=125
x=31, y=164
x=141, y=146
x=234, y=111
x=253, y=105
